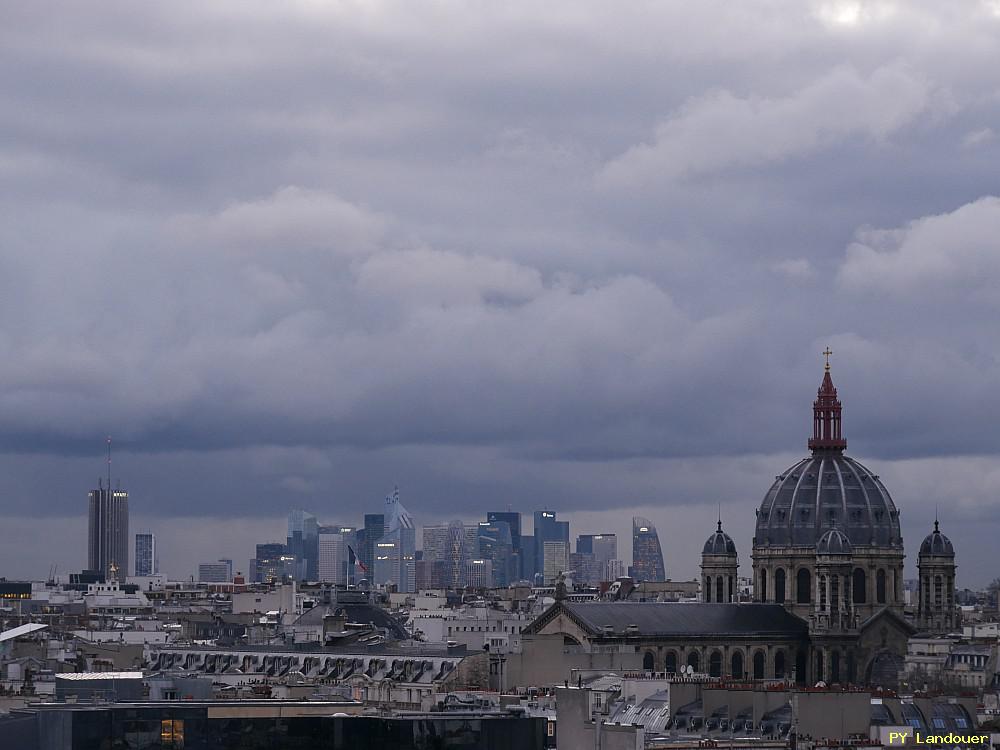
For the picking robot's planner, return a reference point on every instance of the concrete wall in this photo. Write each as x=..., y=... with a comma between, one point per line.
x=833, y=715
x=575, y=730
x=543, y=661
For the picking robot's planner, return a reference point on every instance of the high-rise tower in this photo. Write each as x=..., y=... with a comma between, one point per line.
x=647, y=557
x=107, y=538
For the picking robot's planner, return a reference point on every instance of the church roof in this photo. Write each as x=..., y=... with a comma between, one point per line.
x=720, y=543
x=685, y=620
x=827, y=489
x=937, y=543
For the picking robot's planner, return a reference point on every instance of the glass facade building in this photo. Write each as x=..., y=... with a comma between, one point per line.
x=647, y=557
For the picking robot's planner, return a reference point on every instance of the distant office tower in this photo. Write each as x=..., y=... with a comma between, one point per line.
x=647, y=557
x=496, y=545
x=145, y=554
x=614, y=570
x=108, y=537
x=603, y=546
x=271, y=562
x=555, y=560
x=585, y=568
x=548, y=529
x=527, y=564
x=513, y=521
x=303, y=544
x=452, y=544
x=217, y=572
x=478, y=574
x=396, y=551
x=373, y=530
x=334, y=556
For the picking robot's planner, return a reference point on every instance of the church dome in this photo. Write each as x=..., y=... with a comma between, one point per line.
x=720, y=543
x=833, y=542
x=827, y=489
x=937, y=543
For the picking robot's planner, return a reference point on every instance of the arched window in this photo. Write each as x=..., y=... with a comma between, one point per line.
x=730, y=597
x=938, y=591
x=715, y=664
x=763, y=586
x=860, y=586
x=851, y=673
x=880, y=586
x=694, y=661
x=758, y=665
x=835, y=666
x=736, y=665
x=779, y=664
x=803, y=585
x=671, y=663
x=800, y=666
x=708, y=588
x=718, y=589
x=834, y=593
x=819, y=666
x=647, y=662
x=822, y=593
x=779, y=586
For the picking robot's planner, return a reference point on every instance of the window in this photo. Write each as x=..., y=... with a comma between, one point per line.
x=736, y=666
x=758, y=665
x=860, y=586
x=708, y=588
x=880, y=586
x=779, y=664
x=835, y=666
x=671, y=665
x=694, y=661
x=718, y=589
x=647, y=662
x=763, y=586
x=803, y=583
x=715, y=663
x=779, y=586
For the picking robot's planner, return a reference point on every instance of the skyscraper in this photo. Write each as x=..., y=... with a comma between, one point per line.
x=548, y=529
x=107, y=539
x=555, y=560
x=452, y=544
x=334, y=542
x=271, y=562
x=495, y=545
x=396, y=551
x=373, y=530
x=513, y=521
x=303, y=543
x=647, y=557
x=145, y=554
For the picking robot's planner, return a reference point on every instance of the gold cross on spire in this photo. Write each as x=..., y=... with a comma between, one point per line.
x=826, y=353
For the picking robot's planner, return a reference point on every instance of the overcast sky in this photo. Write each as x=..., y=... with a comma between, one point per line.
x=573, y=255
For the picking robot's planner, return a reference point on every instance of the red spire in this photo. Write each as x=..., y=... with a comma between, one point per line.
x=826, y=415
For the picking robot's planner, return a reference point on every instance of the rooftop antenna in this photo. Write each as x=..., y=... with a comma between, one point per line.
x=109, y=465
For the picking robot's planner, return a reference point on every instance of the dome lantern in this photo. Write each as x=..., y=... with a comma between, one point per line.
x=827, y=430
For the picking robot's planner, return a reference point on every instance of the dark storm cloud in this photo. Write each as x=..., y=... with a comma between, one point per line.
x=571, y=255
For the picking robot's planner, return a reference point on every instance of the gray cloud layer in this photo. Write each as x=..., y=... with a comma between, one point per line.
x=574, y=255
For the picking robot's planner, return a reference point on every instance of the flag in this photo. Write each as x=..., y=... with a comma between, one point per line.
x=354, y=560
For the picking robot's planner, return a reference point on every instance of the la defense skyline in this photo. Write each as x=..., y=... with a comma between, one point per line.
x=378, y=548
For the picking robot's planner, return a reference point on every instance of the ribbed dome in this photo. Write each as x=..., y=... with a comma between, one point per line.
x=720, y=543
x=825, y=489
x=833, y=542
x=937, y=543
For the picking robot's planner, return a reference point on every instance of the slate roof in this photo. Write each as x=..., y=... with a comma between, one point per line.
x=360, y=613
x=676, y=619
x=823, y=491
